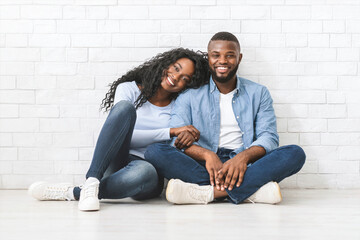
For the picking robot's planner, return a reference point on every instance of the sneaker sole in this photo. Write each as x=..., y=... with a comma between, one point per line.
x=92, y=209
x=277, y=187
x=32, y=187
x=169, y=190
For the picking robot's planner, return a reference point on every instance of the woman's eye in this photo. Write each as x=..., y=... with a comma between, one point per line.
x=176, y=68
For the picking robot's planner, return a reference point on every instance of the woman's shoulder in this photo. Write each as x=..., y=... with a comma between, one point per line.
x=128, y=86
x=127, y=91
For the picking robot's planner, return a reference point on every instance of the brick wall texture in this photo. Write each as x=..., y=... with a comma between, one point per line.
x=57, y=58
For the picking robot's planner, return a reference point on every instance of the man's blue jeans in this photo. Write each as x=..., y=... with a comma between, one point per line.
x=274, y=166
x=121, y=175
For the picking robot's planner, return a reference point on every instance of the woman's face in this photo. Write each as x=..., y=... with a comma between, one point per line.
x=178, y=75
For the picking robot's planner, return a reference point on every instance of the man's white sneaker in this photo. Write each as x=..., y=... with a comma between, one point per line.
x=269, y=193
x=180, y=192
x=89, y=200
x=45, y=191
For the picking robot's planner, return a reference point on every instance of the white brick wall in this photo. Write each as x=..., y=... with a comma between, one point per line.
x=57, y=58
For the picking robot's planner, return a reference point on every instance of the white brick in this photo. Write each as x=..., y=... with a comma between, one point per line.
x=276, y=54
x=19, y=125
x=340, y=40
x=32, y=139
x=77, y=111
x=7, y=82
x=353, y=111
x=258, y=68
x=282, y=96
x=290, y=12
x=76, y=55
x=288, y=138
x=195, y=40
x=5, y=167
x=289, y=182
x=91, y=96
x=59, y=154
x=346, y=12
x=98, y=12
x=28, y=154
x=33, y=167
x=93, y=111
x=146, y=40
x=348, y=180
x=56, y=96
x=281, y=124
x=353, y=26
x=17, y=68
x=261, y=26
x=352, y=97
x=185, y=26
x=140, y=26
x=169, y=40
x=17, y=96
x=144, y=54
x=309, y=167
x=16, y=26
x=355, y=40
x=90, y=40
x=343, y=139
x=327, y=111
x=279, y=82
x=317, y=82
x=41, y=12
x=75, y=82
x=48, y=111
x=16, y=40
x=76, y=26
x=52, y=54
x=334, y=26
x=335, y=97
x=73, y=139
x=321, y=12
x=248, y=40
x=318, y=40
x=93, y=125
x=56, y=68
x=301, y=26
x=197, y=2
x=2, y=40
x=20, y=54
x=123, y=40
x=318, y=153
x=273, y=40
x=8, y=154
x=36, y=82
x=212, y=26
x=344, y=125
x=296, y=40
x=49, y=40
x=297, y=68
x=249, y=55
x=348, y=54
x=310, y=139
x=130, y=12
x=250, y=12
x=307, y=125
x=109, y=54
x=71, y=167
x=9, y=111
x=96, y=2
x=108, y=26
x=6, y=139
x=44, y=26
x=206, y=12
x=73, y=12
x=316, y=180
x=9, y=12
x=337, y=68
x=101, y=68
x=291, y=110
x=349, y=153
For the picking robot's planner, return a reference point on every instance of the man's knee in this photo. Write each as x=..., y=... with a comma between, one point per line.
x=296, y=155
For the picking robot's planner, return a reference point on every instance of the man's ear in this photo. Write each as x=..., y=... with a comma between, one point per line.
x=240, y=57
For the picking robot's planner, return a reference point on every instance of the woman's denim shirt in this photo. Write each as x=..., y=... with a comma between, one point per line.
x=252, y=107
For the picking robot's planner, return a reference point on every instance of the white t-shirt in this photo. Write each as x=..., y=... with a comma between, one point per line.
x=230, y=132
x=152, y=122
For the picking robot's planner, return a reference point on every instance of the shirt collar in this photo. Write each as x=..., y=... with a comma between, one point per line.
x=238, y=85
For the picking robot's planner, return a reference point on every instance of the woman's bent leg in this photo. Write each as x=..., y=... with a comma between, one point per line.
x=138, y=180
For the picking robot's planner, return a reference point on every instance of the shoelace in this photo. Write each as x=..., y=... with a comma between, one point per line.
x=90, y=190
x=56, y=193
x=199, y=194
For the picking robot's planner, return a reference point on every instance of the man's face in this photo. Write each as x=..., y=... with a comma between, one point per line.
x=224, y=59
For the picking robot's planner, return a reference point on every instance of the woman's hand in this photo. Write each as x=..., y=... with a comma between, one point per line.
x=174, y=132
x=184, y=139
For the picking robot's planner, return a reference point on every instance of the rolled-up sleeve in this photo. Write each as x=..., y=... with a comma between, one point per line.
x=265, y=124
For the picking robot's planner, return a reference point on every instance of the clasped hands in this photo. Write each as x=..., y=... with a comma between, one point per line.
x=186, y=136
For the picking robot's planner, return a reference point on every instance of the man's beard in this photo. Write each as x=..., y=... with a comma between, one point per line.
x=231, y=74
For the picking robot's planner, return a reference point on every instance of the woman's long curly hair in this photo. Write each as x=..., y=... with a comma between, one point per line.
x=149, y=75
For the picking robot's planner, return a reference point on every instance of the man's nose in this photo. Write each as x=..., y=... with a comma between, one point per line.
x=222, y=59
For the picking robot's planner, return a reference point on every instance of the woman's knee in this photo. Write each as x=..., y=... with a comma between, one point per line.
x=122, y=109
x=146, y=171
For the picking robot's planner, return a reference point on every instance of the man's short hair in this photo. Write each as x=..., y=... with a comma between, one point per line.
x=225, y=36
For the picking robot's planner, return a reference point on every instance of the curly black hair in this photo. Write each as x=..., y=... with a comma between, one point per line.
x=149, y=74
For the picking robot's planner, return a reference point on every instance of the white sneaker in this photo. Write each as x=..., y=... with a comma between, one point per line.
x=180, y=192
x=45, y=191
x=269, y=193
x=89, y=200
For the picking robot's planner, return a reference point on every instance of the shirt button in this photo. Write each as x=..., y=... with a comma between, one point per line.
x=237, y=116
x=233, y=101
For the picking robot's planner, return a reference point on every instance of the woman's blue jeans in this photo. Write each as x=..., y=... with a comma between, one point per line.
x=121, y=175
x=274, y=166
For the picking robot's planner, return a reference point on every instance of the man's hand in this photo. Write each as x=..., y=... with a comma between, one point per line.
x=184, y=139
x=174, y=132
x=232, y=172
x=213, y=165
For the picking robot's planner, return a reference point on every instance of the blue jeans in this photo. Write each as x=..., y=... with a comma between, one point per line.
x=274, y=166
x=120, y=173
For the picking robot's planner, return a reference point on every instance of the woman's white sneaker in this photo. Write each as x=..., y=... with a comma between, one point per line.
x=268, y=193
x=89, y=200
x=180, y=192
x=45, y=191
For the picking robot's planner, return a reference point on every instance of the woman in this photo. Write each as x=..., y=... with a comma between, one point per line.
x=140, y=103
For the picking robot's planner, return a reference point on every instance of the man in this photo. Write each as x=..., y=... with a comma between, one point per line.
x=237, y=156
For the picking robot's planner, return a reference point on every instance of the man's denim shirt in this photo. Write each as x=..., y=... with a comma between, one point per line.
x=252, y=107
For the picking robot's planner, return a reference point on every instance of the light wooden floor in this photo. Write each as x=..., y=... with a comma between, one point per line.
x=303, y=214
